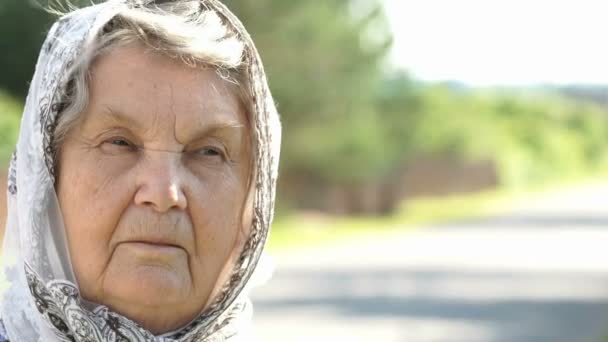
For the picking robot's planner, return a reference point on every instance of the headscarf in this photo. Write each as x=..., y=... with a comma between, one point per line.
x=42, y=302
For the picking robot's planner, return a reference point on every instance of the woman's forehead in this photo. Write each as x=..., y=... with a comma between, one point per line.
x=134, y=86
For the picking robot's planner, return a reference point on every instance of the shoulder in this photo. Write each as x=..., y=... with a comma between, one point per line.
x=3, y=335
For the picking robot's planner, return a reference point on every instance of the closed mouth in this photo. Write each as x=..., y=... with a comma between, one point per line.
x=155, y=243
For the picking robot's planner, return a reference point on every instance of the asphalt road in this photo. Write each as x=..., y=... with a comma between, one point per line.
x=536, y=274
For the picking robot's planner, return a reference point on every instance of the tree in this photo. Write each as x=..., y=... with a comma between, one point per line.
x=23, y=26
x=324, y=62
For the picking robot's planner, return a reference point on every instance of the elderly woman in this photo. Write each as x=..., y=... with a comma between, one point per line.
x=142, y=187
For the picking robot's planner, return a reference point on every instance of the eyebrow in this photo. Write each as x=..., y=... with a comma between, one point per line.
x=110, y=114
x=114, y=116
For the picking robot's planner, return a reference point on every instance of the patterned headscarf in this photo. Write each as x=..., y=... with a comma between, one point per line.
x=42, y=302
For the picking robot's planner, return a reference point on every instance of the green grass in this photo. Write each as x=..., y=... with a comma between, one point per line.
x=313, y=229
x=306, y=229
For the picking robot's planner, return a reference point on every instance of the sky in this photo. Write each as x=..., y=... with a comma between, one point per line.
x=501, y=42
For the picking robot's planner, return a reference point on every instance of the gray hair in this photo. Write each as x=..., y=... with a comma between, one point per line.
x=182, y=30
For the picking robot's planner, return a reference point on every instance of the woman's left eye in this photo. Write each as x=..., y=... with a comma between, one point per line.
x=118, y=145
x=208, y=155
x=210, y=152
x=120, y=142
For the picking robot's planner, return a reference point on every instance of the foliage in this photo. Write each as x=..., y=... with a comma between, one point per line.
x=10, y=114
x=23, y=26
x=532, y=137
x=324, y=62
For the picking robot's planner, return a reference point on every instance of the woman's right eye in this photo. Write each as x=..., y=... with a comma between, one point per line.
x=118, y=145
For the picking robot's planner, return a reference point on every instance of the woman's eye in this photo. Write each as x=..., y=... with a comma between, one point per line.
x=213, y=155
x=207, y=156
x=211, y=152
x=120, y=142
x=118, y=145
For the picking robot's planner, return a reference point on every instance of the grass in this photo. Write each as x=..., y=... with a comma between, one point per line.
x=313, y=229
x=306, y=229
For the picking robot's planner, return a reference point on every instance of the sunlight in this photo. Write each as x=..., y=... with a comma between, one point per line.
x=484, y=42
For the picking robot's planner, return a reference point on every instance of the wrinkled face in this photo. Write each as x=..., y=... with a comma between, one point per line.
x=153, y=183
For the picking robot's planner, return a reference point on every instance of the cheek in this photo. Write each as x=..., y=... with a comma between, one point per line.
x=216, y=213
x=92, y=197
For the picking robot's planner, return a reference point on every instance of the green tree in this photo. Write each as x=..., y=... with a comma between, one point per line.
x=23, y=25
x=324, y=62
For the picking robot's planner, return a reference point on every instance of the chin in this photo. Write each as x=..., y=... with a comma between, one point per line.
x=157, y=298
x=148, y=286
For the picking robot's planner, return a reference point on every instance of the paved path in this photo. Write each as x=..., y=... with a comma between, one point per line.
x=538, y=274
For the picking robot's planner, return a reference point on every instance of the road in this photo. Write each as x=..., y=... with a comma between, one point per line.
x=537, y=273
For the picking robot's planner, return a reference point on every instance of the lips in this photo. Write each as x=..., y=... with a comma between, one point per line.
x=154, y=242
x=152, y=251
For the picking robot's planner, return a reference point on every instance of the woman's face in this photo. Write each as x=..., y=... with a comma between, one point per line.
x=152, y=186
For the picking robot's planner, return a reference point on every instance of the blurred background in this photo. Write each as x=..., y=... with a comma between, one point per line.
x=442, y=170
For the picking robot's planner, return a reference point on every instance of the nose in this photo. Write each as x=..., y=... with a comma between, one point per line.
x=160, y=183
